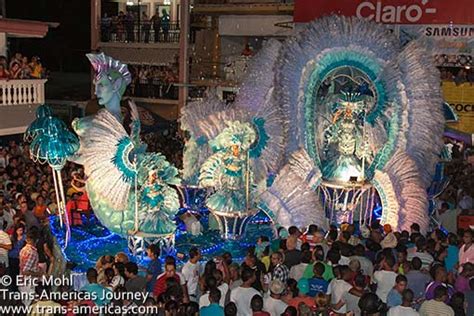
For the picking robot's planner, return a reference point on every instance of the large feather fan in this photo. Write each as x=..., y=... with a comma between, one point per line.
x=291, y=201
x=106, y=152
x=410, y=191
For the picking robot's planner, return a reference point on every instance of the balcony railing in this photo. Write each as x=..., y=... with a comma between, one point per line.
x=22, y=92
x=139, y=33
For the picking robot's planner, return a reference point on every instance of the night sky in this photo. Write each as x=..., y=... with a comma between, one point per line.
x=63, y=48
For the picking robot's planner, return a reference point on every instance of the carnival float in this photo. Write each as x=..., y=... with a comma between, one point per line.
x=327, y=127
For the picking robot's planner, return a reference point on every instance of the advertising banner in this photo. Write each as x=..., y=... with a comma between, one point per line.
x=461, y=99
x=389, y=11
x=447, y=25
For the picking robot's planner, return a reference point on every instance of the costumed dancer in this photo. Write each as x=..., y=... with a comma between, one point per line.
x=227, y=170
x=254, y=110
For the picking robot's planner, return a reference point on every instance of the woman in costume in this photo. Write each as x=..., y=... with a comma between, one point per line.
x=158, y=201
x=346, y=133
x=227, y=170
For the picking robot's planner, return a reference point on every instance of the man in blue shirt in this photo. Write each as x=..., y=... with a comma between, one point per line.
x=97, y=291
x=213, y=309
x=417, y=280
x=317, y=283
x=154, y=267
x=394, y=297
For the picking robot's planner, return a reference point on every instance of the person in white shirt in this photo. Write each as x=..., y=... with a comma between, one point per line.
x=296, y=272
x=211, y=284
x=5, y=245
x=221, y=286
x=385, y=278
x=119, y=275
x=214, y=282
x=338, y=287
x=405, y=309
x=242, y=295
x=273, y=303
x=190, y=272
x=352, y=297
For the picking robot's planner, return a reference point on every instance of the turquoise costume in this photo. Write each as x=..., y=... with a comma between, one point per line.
x=231, y=197
x=158, y=200
x=226, y=170
x=345, y=145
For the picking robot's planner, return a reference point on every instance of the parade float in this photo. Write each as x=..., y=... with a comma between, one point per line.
x=346, y=121
x=340, y=124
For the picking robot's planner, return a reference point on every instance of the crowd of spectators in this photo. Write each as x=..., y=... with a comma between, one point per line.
x=155, y=82
x=169, y=143
x=21, y=67
x=338, y=272
x=456, y=198
x=130, y=27
x=302, y=271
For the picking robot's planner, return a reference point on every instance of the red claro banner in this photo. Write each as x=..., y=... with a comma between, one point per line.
x=390, y=11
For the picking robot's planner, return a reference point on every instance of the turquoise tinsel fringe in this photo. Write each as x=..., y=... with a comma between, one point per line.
x=262, y=138
x=122, y=159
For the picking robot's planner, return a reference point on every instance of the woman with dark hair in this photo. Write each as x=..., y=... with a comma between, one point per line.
x=45, y=245
x=109, y=275
x=18, y=241
x=15, y=70
x=439, y=237
x=211, y=284
x=453, y=253
x=209, y=270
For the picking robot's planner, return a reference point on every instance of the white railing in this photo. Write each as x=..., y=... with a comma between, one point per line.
x=22, y=92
